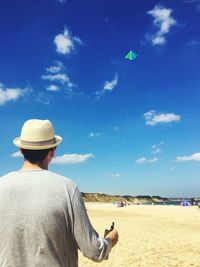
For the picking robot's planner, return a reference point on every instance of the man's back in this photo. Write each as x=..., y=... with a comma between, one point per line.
x=43, y=220
x=37, y=220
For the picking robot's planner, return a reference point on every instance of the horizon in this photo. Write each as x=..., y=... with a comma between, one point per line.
x=130, y=126
x=135, y=196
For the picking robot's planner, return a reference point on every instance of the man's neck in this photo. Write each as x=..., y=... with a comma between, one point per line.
x=28, y=166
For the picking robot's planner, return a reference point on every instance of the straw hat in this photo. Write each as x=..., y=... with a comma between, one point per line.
x=37, y=135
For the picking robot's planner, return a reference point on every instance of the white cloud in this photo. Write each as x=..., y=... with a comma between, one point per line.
x=158, y=40
x=94, y=134
x=163, y=21
x=54, y=75
x=57, y=67
x=99, y=94
x=116, y=128
x=193, y=157
x=157, y=148
x=108, y=86
x=152, y=118
x=65, y=42
x=72, y=158
x=16, y=154
x=53, y=88
x=111, y=85
x=115, y=175
x=43, y=98
x=62, y=78
x=11, y=94
x=145, y=160
x=196, y=2
x=156, y=151
x=192, y=43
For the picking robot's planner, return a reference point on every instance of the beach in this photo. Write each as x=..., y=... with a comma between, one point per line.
x=149, y=235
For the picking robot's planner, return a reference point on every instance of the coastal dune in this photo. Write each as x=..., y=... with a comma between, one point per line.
x=149, y=235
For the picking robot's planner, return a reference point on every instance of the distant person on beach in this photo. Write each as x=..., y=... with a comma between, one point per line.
x=43, y=220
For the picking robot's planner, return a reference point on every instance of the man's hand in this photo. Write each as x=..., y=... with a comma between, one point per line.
x=113, y=236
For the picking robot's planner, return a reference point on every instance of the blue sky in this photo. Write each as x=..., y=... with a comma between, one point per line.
x=128, y=127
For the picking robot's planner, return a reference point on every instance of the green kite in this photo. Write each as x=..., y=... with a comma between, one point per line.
x=131, y=55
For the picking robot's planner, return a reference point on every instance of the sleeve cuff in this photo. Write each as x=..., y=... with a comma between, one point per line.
x=109, y=245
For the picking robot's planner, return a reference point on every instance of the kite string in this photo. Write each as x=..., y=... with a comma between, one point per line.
x=126, y=118
x=80, y=122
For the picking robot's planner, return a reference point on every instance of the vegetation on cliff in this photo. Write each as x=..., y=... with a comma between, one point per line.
x=97, y=197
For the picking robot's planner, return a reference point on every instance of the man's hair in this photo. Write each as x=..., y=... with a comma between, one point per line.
x=35, y=156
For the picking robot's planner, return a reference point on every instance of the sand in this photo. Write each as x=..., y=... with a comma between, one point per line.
x=149, y=236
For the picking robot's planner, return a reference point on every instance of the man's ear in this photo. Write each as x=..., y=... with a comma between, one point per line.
x=52, y=152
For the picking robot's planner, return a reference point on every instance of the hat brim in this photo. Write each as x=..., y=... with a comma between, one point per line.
x=17, y=142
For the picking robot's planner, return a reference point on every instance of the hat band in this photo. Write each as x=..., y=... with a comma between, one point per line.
x=39, y=143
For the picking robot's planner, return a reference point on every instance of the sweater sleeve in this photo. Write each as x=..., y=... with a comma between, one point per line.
x=88, y=240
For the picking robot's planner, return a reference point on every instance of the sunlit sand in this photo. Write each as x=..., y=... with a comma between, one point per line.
x=149, y=236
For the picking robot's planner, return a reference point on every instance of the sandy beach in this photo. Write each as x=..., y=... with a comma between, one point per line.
x=149, y=236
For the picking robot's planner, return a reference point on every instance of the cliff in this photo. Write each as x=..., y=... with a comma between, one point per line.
x=97, y=197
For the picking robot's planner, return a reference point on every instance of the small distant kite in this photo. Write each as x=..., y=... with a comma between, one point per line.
x=131, y=55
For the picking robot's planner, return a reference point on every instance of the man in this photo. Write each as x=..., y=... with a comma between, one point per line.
x=43, y=220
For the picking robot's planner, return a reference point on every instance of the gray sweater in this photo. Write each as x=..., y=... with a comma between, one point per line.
x=43, y=222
